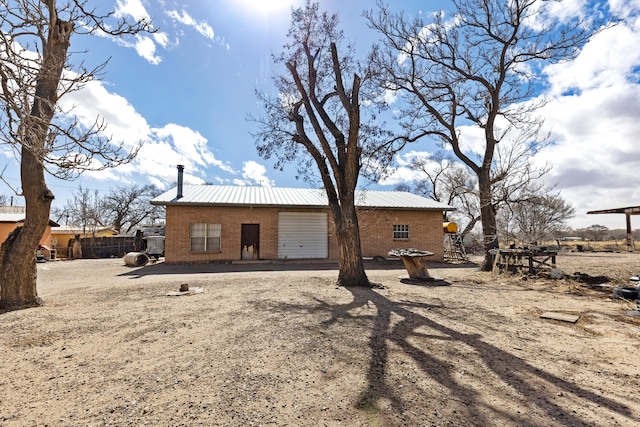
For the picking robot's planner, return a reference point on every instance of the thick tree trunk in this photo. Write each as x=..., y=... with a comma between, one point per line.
x=350, y=264
x=18, y=273
x=488, y=218
x=17, y=258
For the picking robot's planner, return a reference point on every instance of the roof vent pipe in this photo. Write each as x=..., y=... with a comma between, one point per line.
x=180, y=174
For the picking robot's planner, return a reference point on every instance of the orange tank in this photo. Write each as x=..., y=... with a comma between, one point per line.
x=450, y=227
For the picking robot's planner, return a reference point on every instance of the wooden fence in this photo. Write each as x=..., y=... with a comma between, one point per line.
x=109, y=247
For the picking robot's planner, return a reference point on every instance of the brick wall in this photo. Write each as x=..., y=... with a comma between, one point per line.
x=179, y=219
x=425, y=231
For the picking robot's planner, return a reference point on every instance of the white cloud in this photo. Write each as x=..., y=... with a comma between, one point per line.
x=402, y=172
x=157, y=161
x=606, y=60
x=162, y=39
x=191, y=146
x=163, y=148
x=594, y=124
x=121, y=175
x=401, y=175
x=144, y=45
x=184, y=18
x=146, y=48
x=595, y=157
x=624, y=8
x=254, y=173
x=124, y=123
x=132, y=8
x=542, y=14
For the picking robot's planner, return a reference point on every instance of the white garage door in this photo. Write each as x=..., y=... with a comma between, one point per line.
x=303, y=235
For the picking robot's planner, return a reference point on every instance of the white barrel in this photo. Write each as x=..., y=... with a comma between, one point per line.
x=136, y=259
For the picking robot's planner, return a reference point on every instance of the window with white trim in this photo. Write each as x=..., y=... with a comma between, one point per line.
x=400, y=231
x=205, y=237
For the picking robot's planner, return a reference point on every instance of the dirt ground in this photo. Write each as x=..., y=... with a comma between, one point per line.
x=282, y=345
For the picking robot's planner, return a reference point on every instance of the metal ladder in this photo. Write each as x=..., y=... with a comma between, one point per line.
x=454, y=247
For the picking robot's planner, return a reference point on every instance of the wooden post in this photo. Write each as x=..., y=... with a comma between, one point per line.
x=416, y=267
x=76, y=249
x=629, y=234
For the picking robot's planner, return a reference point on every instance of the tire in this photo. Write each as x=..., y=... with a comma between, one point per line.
x=626, y=293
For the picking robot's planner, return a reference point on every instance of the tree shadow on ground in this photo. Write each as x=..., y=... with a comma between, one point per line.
x=161, y=268
x=397, y=325
x=526, y=379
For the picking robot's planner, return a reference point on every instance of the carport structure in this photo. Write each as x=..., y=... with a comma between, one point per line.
x=632, y=210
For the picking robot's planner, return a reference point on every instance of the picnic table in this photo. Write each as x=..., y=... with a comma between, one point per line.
x=413, y=260
x=518, y=259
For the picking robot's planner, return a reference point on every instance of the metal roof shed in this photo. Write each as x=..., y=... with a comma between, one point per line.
x=628, y=211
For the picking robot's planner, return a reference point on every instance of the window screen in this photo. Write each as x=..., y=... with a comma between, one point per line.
x=205, y=237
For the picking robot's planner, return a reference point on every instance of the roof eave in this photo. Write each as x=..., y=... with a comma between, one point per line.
x=245, y=205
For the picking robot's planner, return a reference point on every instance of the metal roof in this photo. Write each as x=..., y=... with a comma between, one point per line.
x=11, y=217
x=72, y=229
x=632, y=210
x=219, y=195
x=19, y=217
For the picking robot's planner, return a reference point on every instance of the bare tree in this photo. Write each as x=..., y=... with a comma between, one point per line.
x=443, y=179
x=124, y=208
x=85, y=210
x=597, y=232
x=537, y=218
x=514, y=180
x=35, y=72
x=129, y=207
x=316, y=120
x=478, y=68
x=437, y=170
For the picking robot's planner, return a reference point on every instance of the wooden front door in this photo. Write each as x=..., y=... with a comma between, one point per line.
x=250, y=241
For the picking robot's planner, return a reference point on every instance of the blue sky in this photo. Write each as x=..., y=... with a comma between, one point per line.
x=187, y=90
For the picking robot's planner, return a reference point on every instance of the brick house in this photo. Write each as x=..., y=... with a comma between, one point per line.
x=206, y=223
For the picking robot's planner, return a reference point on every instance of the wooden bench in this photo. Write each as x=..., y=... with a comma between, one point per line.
x=518, y=259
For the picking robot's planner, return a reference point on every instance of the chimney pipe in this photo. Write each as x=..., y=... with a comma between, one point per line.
x=180, y=174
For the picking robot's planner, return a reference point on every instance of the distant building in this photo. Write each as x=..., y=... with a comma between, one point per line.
x=11, y=217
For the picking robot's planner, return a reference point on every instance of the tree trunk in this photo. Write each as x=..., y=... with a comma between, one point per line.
x=18, y=272
x=469, y=226
x=350, y=264
x=488, y=218
x=17, y=260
